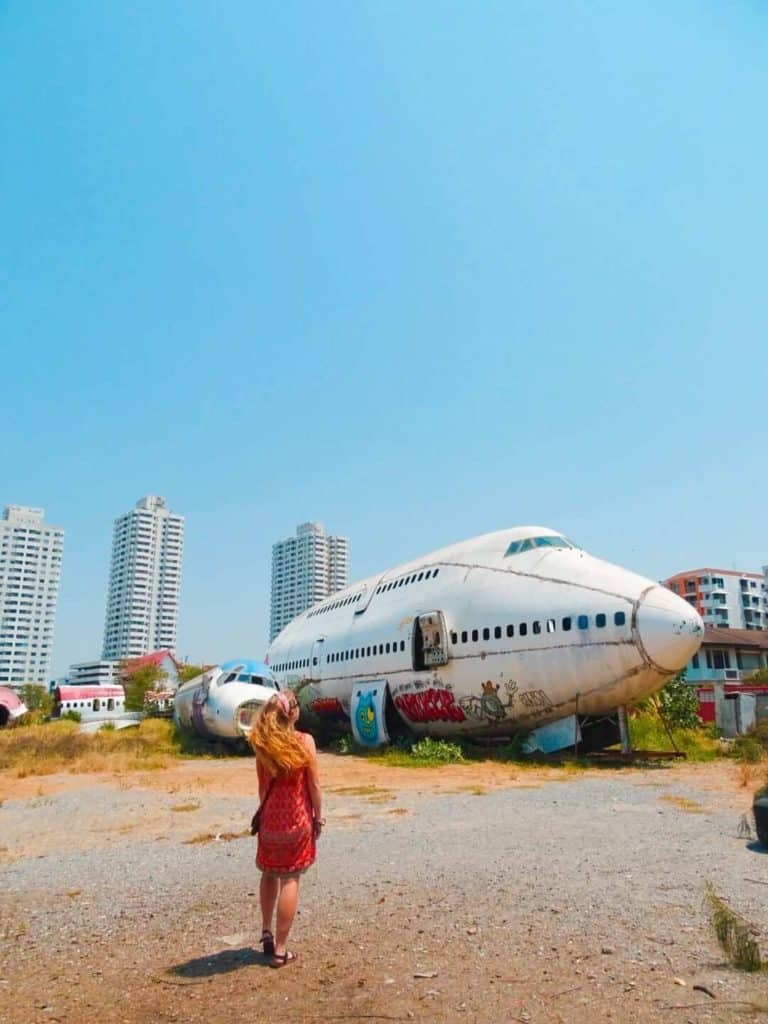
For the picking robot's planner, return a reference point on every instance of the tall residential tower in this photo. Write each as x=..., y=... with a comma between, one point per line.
x=144, y=581
x=30, y=566
x=305, y=569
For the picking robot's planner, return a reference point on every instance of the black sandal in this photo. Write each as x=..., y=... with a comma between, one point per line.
x=282, y=959
x=268, y=942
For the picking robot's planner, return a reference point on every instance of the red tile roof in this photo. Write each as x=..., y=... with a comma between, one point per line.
x=155, y=658
x=716, y=636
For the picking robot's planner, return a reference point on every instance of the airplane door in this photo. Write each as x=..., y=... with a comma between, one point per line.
x=430, y=641
x=367, y=713
x=369, y=595
x=316, y=659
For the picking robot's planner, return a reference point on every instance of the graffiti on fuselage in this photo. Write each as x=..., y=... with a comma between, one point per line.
x=424, y=701
x=536, y=700
x=488, y=705
x=328, y=708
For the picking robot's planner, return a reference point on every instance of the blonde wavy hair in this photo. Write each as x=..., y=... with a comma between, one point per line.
x=274, y=740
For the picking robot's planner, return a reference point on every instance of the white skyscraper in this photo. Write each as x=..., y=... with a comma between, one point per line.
x=305, y=569
x=144, y=580
x=30, y=567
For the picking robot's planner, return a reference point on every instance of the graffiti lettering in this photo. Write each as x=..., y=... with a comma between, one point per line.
x=535, y=699
x=328, y=707
x=429, y=706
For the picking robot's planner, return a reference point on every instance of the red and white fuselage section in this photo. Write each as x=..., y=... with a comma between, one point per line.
x=508, y=631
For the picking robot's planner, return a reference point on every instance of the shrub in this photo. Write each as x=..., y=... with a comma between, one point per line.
x=437, y=751
x=751, y=746
x=733, y=933
x=647, y=732
x=343, y=745
x=747, y=749
x=679, y=704
x=39, y=703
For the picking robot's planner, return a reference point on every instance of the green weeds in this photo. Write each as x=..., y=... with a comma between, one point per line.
x=733, y=933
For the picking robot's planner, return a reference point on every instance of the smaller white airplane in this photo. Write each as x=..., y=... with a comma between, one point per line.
x=11, y=706
x=220, y=703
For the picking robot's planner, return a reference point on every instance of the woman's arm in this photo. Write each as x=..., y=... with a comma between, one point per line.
x=313, y=784
x=264, y=780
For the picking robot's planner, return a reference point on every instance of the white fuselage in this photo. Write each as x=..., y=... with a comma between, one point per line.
x=507, y=631
x=219, y=703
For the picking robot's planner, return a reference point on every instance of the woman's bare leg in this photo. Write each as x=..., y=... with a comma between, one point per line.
x=268, y=890
x=287, y=902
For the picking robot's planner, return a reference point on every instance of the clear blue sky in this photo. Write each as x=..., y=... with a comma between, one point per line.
x=418, y=270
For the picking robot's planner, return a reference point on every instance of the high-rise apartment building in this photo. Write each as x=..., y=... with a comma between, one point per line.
x=724, y=597
x=305, y=569
x=144, y=580
x=30, y=567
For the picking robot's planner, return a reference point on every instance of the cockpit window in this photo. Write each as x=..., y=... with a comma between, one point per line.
x=529, y=543
x=244, y=677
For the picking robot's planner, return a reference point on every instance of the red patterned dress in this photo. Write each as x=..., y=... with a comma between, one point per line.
x=286, y=844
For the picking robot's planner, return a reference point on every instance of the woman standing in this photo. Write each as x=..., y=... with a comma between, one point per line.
x=291, y=817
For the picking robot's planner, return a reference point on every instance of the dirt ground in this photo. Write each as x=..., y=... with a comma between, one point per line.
x=387, y=950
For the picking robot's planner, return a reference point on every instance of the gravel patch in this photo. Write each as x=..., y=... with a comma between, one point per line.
x=576, y=900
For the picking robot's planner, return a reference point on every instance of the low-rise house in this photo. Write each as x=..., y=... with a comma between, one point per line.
x=723, y=673
x=162, y=660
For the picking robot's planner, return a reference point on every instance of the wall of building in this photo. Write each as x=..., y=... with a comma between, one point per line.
x=94, y=673
x=145, y=580
x=724, y=597
x=30, y=570
x=306, y=568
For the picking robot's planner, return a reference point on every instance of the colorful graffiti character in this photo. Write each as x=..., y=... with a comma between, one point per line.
x=366, y=718
x=490, y=704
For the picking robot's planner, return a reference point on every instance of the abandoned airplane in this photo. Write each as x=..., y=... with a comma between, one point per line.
x=220, y=703
x=519, y=630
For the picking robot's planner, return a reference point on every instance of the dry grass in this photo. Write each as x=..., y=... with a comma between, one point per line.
x=691, y=806
x=746, y=774
x=734, y=934
x=219, y=837
x=193, y=805
x=60, y=746
x=357, y=790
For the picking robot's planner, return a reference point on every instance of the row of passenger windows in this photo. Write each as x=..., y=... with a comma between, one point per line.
x=567, y=623
x=365, y=652
x=537, y=626
x=289, y=666
x=405, y=580
x=354, y=652
x=402, y=582
x=336, y=604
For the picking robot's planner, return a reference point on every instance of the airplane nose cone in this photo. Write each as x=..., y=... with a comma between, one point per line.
x=669, y=629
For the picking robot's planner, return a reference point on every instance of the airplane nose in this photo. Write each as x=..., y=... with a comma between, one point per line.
x=669, y=629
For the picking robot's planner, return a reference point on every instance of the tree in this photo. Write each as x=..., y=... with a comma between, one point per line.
x=38, y=700
x=679, y=703
x=137, y=683
x=187, y=672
